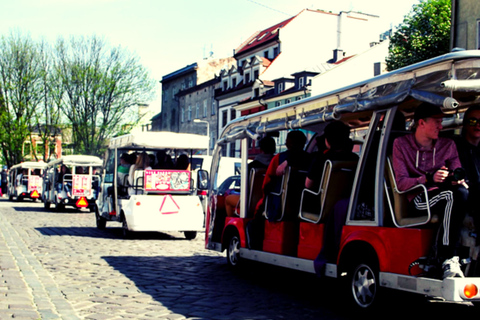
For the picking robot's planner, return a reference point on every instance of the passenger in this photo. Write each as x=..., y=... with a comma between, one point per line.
x=152, y=160
x=79, y=170
x=164, y=161
x=425, y=158
x=267, y=150
x=23, y=173
x=123, y=169
x=468, y=146
x=63, y=171
x=4, y=180
x=142, y=163
x=262, y=160
x=183, y=163
x=61, y=177
x=294, y=157
x=338, y=147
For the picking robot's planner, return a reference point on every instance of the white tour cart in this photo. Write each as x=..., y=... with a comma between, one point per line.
x=155, y=195
x=26, y=180
x=72, y=180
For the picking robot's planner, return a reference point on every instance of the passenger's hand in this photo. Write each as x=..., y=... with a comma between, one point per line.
x=440, y=175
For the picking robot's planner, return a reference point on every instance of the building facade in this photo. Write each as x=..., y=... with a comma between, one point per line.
x=285, y=57
x=465, y=31
x=173, y=84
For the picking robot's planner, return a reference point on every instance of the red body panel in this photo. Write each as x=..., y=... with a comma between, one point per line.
x=310, y=240
x=396, y=248
x=281, y=237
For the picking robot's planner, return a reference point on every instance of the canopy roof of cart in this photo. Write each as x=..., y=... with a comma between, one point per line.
x=30, y=165
x=451, y=81
x=77, y=160
x=161, y=140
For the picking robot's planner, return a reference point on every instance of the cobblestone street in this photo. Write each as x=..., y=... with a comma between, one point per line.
x=71, y=270
x=60, y=266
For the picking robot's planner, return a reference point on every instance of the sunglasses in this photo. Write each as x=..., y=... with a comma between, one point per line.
x=473, y=122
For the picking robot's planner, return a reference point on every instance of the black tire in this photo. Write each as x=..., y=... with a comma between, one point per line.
x=127, y=234
x=46, y=205
x=363, y=285
x=59, y=207
x=190, y=235
x=233, y=250
x=100, y=221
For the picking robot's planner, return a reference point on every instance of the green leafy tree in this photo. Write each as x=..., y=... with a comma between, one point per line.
x=19, y=83
x=424, y=34
x=102, y=87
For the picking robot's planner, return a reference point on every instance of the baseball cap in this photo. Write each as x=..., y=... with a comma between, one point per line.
x=428, y=110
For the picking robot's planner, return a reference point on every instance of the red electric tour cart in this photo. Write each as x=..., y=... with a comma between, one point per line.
x=382, y=244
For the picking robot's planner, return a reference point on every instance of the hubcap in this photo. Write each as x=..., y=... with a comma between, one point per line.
x=234, y=250
x=364, y=286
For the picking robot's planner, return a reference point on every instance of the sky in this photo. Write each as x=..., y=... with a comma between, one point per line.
x=169, y=34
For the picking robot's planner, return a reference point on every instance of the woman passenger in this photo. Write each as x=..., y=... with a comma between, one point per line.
x=142, y=163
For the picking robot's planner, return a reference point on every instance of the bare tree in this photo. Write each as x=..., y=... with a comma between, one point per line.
x=101, y=86
x=47, y=113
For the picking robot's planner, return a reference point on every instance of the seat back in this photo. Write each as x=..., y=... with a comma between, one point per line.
x=283, y=203
x=257, y=175
x=336, y=184
x=400, y=213
x=138, y=184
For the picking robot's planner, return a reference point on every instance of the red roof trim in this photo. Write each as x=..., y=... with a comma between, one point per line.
x=263, y=36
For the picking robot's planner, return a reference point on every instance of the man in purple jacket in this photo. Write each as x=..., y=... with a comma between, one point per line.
x=425, y=158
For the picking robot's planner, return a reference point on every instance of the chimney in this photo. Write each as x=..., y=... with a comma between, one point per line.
x=337, y=55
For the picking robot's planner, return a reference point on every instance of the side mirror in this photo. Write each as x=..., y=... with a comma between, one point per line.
x=202, y=178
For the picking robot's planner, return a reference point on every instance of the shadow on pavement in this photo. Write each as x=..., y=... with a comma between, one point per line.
x=204, y=287
x=108, y=233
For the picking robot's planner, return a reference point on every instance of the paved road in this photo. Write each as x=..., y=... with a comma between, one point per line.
x=59, y=266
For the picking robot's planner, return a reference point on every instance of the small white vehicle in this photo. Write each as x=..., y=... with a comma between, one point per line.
x=25, y=180
x=72, y=180
x=150, y=194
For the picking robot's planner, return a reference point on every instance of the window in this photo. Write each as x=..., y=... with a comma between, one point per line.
x=247, y=77
x=265, y=54
x=225, y=85
x=233, y=114
x=255, y=74
x=234, y=82
x=275, y=52
x=214, y=107
x=189, y=113
x=301, y=82
x=278, y=103
x=279, y=87
x=182, y=115
x=287, y=101
x=224, y=118
x=205, y=108
x=197, y=111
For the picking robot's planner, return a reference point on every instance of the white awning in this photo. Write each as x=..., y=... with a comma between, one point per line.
x=161, y=140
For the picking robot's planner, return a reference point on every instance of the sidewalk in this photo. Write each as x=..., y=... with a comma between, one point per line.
x=27, y=290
